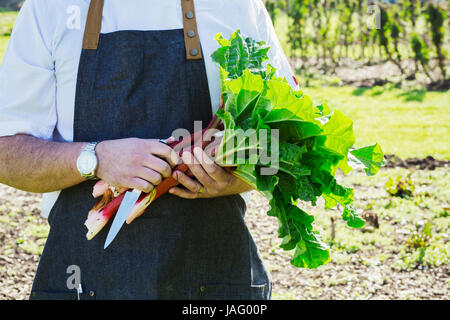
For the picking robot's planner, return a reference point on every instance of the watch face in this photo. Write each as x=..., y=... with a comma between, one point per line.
x=87, y=162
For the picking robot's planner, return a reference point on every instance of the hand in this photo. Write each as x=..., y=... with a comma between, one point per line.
x=135, y=163
x=211, y=180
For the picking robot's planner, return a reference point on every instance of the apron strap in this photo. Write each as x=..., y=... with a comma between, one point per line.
x=191, y=38
x=93, y=25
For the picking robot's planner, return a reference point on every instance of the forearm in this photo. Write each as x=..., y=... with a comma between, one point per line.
x=34, y=165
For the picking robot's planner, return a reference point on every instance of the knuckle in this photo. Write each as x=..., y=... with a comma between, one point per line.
x=136, y=159
x=158, y=178
x=196, y=187
x=214, y=169
x=148, y=187
x=177, y=176
x=227, y=181
x=135, y=184
x=166, y=170
x=166, y=150
x=142, y=185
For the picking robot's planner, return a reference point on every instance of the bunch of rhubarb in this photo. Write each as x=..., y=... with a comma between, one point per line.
x=276, y=140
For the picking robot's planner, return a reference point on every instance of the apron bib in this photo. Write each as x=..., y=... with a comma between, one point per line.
x=145, y=84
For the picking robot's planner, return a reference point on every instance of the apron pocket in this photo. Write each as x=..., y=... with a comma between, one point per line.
x=61, y=295
x=235, y=292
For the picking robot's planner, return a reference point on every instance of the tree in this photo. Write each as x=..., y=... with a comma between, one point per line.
x=435, y=17
x=389, y=29
x=421, y=55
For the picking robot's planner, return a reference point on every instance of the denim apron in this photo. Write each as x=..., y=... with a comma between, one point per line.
x=143, y=84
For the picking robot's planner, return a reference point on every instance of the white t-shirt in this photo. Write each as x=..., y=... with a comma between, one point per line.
x=39, y=71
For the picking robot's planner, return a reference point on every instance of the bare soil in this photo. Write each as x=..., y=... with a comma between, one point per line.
x=428, y=163
x=356, y=73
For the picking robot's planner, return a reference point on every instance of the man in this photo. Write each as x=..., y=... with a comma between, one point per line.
x=100, y=82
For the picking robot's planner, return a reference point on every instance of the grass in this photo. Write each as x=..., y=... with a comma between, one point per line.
x=7, y=19
x=406, y=123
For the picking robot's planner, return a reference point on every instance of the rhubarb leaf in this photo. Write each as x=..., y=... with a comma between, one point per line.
x=239, y=54
x=371, y=157
x=286, y=148
x=352, y=218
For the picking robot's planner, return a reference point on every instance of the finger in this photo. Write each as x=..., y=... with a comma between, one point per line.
x=158, y=165
x=171, y=139
x=212, y=169
x=197, y=170
x=187, y=182
x=100, y=188
x=164, y=151
x=212, y=148
x=150, y=175
x=141, y=185
x=183, y=193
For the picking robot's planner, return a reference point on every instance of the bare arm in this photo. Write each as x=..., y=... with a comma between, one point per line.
x=31, y=164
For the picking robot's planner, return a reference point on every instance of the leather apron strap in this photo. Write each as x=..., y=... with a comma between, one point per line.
x=191, y=38
x=93, y=25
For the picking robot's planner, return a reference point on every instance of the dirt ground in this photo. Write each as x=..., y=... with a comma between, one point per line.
x=352, y=274
x=352, y=72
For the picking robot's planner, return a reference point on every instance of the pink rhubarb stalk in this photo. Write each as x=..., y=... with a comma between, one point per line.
x=100, y=214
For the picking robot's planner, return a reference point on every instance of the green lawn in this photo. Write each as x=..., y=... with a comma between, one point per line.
x=407, y=123
x=412, y=123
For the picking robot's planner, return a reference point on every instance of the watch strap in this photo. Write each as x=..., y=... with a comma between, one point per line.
x=90, y=147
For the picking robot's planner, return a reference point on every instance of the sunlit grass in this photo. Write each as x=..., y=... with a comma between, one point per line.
x=405, y=123
x=7, y=19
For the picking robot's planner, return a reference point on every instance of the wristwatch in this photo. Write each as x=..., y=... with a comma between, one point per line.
x=87, y=161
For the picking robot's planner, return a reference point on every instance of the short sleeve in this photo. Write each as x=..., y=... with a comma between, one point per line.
x=266, y=32
x=27, y=78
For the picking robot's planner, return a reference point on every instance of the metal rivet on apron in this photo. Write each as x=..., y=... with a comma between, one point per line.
x=193, y=52
x=191, y=33
x=189, y=14
x=202, y=288
x=91, y=293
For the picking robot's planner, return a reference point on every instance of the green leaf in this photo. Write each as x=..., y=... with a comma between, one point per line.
x=239, y=54
x=371, y=157
x=337, y=194
x=290, y=159
x=339, y=134
x=352, y=218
